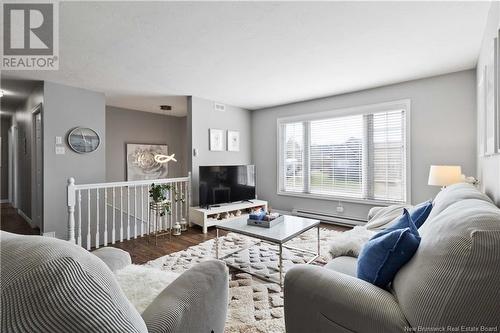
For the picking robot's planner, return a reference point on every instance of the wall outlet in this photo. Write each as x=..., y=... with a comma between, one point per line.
x=60, y=150
x=51, y=234
x=340, y=208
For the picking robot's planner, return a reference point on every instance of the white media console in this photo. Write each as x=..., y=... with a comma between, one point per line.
x=207, y=217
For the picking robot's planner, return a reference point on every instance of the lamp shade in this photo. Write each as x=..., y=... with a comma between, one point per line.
x=444, y=175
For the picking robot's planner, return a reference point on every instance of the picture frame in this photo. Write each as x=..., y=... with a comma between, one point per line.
x=233, y=140
x=141, y=163
x=216, y=139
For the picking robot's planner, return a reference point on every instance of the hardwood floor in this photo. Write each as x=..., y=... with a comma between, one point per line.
x=11, y=221
x=140, y=249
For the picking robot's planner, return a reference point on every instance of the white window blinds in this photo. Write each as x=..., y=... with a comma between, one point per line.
x=337, y=156
x=293, y=158
x=389, y=156
x=355, y=156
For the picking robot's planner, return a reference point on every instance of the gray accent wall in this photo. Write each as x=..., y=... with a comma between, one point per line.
x=23, y=123
x=130, y=126
x=4, y=167
x=488, y=166
x=64, y=109
x=202, y=117
x=443, y=131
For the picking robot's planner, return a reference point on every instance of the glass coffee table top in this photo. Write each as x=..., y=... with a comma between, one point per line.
x=282, y=232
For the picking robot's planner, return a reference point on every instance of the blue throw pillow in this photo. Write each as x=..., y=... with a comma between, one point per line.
x=386, y=252
x=420, y=213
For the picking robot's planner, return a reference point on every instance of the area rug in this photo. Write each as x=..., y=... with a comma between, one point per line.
x=255, y=305
x=260, y=258
x=133, y=276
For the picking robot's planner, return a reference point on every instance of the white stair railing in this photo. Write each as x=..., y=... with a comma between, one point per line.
x=110, y=212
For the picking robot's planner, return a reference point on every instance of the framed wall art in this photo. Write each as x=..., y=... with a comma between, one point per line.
x=141, y=163
x=216, y=139
x=233, y=140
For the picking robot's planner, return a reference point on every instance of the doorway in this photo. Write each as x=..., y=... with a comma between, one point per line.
x=37, y=170
x=13, y=198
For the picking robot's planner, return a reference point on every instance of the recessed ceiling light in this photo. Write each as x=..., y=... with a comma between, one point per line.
x=166, y=107
x=1, y=93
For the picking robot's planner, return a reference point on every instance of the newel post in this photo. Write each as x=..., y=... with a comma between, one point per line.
x=188, y=198
x=71, y=210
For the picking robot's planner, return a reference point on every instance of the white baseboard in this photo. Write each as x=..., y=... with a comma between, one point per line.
x=26, y=218
x=282, y=212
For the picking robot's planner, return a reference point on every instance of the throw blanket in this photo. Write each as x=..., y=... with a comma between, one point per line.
x=382, y=217
x=142, y=284
x=350, y=243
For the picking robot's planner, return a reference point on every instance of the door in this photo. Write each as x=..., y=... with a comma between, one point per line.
x=10, y=160
x=37, y=192
x=13, y=169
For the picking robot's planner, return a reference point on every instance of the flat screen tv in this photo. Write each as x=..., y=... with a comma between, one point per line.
x=226, y=183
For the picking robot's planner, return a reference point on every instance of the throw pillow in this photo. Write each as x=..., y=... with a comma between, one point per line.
x=420, y=213
x=386, y=252
x=403, y=221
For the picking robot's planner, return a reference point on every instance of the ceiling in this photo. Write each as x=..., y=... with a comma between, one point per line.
x=15, y=93
x=257, y=54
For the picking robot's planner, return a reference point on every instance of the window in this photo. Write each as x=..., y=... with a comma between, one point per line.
x=356, y=153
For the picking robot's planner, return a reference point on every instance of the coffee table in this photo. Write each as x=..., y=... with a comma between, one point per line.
x=291, y=227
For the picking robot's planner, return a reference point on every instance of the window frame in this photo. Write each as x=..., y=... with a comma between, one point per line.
x=336, y=113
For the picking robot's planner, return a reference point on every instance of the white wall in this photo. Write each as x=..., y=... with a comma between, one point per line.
x=201, y=118
x=488, y=167
x=442, y=132
x=64, y=109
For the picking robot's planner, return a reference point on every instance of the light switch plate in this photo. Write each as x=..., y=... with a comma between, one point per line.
x=58, y=140
x=60, y=150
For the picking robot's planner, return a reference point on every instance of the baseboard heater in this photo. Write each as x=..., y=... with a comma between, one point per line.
x=329, y=218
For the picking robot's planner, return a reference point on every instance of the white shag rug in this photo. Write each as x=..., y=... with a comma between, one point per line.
x=254, y=305
x=133, y=278
x=350, y=243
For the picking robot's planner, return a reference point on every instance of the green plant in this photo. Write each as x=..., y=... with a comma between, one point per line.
x=158, y=194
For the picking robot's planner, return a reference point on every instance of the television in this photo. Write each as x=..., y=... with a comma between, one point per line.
x=226, y=183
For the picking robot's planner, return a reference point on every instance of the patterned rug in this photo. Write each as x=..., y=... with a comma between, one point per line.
x=254, y=305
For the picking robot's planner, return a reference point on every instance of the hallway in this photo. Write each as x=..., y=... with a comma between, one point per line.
x=11, y=221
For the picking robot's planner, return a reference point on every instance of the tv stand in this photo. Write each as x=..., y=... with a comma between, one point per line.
x=207, y=217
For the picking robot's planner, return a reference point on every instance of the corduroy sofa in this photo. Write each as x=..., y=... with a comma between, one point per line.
x=50, y=285
x=452, y=281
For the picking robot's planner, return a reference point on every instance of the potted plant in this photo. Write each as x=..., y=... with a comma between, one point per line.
x=158, y=195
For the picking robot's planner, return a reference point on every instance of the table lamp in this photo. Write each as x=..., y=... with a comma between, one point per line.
x=444, y=175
